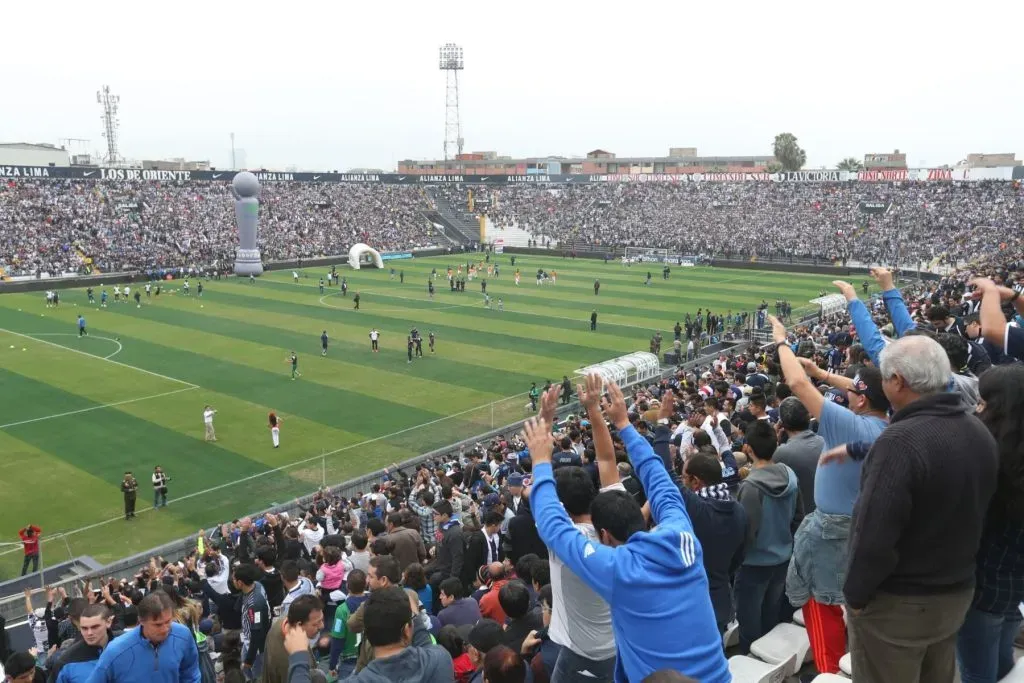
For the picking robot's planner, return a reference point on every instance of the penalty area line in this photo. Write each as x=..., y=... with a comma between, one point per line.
x=108, y=360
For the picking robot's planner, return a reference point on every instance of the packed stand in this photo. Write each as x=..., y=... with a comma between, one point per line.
x=860, y=477
x=71, y=226
x=926, y=221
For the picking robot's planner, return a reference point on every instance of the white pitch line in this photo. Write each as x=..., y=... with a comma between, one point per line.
x=108, y=360
x=70, y=334
x=265, y=472
x=100, y=407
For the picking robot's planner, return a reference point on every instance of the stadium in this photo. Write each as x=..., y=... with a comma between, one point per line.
x=658, y=418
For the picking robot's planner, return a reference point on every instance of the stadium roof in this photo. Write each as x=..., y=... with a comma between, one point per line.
x=29, y=145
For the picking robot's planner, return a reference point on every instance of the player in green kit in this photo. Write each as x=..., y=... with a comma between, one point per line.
x=294, y=360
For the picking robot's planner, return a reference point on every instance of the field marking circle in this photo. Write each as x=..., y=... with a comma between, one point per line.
x=71, y=334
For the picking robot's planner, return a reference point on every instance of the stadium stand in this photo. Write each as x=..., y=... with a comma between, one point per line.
x=594, y=542
x=61, y=225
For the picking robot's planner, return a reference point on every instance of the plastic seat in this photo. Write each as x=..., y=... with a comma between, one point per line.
x=784, y=642
x=846, y=664
x=798, y=617
x=731, y=637
x=749, y=670
x=1016, y=674
x=830, y=678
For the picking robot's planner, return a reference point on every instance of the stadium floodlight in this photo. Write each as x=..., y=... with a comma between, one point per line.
x=450, y=61
x=451, y=58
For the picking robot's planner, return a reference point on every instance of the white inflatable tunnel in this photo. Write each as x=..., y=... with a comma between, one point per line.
x=362, y=254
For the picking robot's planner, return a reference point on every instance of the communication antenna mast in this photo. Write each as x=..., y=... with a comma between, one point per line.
x=111, y=123
x=451, y=63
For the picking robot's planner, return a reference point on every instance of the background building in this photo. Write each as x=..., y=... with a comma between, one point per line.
x=991, y=160
x=28, y=154
x=175, y=165
x=598, y=162
x=896, y=159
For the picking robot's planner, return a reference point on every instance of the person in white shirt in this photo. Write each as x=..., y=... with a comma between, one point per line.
x=219, y=580
x=208, y=413
x=295, y=275
x=311, y=533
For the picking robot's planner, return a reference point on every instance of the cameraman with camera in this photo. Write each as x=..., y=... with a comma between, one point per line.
x=159, y=487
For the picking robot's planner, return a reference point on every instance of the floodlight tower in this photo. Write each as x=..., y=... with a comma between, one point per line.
x=111, y=123
x=451, y=63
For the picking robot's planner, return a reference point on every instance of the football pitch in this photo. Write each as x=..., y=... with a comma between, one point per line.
x=76, y=413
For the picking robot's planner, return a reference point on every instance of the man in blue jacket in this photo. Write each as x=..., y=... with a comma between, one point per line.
x=654, y=582
x=160, y=650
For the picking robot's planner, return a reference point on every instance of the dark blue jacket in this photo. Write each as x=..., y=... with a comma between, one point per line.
x=720, y=524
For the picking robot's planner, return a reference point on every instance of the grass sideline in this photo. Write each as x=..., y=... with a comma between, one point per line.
x=76, y=413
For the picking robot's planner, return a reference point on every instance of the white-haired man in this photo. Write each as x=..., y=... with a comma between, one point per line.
x=917, y=524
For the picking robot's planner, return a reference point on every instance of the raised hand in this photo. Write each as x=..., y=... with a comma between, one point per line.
x=589, y=392
x=779, y=333
x=667, y=405
x=883, y=276
x=549, y=404
x=846, y=289
x=537, y=434
x=615, y=407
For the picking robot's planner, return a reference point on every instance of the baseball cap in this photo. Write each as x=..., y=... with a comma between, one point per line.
x=515, y=479
x=485, y=635
x=491, y=499
x=751, y=367
x=868, y=383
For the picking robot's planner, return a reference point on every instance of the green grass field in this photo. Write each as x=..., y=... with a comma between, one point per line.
x=76, y=413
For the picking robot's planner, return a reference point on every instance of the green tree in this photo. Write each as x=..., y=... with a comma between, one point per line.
x=849, y=164
x=773, y=167
x=788, y=152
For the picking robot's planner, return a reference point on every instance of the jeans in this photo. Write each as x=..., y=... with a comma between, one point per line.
x=572, y=668
x=984, y=646
x=34, y=560
x=159, y=498
x=759, y=592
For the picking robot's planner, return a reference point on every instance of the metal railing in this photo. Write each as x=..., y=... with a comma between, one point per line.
x=12, y=604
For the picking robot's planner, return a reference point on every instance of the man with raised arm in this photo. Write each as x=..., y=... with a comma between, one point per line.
x=653, y=581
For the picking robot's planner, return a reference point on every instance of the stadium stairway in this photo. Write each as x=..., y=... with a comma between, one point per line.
x=512, y=236
x=461, y=226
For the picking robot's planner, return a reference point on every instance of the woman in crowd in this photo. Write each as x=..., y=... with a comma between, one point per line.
x=985, y=641
x=416, y=579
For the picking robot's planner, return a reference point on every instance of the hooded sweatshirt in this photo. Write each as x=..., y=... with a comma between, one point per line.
x=966, y=387
x=771, y=497
x=654, y=583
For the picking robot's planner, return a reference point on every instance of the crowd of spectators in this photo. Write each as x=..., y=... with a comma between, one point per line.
x=66, y=226
x=59, y=226
x=925, y=221
x=860, y=475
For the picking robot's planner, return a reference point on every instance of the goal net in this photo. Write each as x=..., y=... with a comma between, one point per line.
x=646, y=254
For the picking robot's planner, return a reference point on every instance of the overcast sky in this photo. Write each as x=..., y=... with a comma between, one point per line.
x=336, y=85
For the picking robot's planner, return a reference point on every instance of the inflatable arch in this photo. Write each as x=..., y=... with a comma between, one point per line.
x=362, y=253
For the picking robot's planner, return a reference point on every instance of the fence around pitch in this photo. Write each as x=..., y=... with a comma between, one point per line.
x=293, y=486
